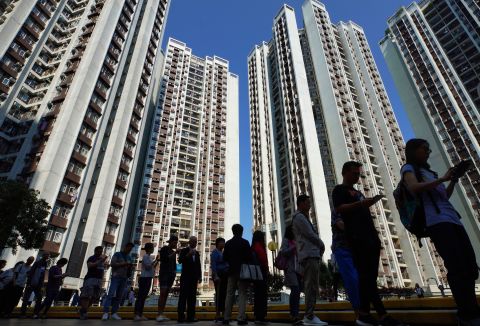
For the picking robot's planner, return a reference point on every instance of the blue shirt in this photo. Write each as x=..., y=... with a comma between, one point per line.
x=447, y=214
x=217, y=263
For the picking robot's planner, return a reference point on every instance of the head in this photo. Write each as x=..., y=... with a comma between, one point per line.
x=3, y=262
x=416, y=285
x=258, y=237
x=18, y=263
x=303, y=203
x=220, y=243
x=148, y=248
x=173, y=241
x=351, y=171
x=237, y=230
x=45, y=256
x=417, y=151
x=128, y=247
x=62, y=262
x=30, y=260
x=192, y=241
x=98, y=251
x=289, y=233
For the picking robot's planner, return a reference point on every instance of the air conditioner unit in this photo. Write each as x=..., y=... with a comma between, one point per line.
x=84, y=220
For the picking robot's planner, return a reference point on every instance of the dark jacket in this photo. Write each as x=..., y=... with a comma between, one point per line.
x=237, y=252
x=191, y=268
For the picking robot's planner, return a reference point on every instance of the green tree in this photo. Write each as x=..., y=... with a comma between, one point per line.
x=275, y=283
x=23, y=216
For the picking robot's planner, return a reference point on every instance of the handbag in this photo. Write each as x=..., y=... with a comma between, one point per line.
x=250, y=272
x=281, y=262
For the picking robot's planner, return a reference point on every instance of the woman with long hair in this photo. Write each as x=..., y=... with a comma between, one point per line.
x=259, y=252
x=292, y=272
x=444, y=227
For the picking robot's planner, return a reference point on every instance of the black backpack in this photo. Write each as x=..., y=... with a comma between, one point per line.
x=411, y=209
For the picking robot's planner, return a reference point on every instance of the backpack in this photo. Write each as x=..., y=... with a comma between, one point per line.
x=410, y=208
x=281, y=262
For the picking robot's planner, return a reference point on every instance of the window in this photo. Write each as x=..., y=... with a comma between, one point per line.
x=57, y=237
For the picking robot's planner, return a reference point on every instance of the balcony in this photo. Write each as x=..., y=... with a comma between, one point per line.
x=117, y=201
x=124, y=167
x=58, y=221
x=128, y=152
x=122, y=184
x=73, y=177
x=9, y=69
x=90, y=122
x=79, y=158
x=65, y=198
x=113, y=219
x=85, y=139
x=16, y=56
x=51, y=247
x=109, y=238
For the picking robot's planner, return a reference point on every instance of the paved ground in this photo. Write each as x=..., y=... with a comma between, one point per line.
x=97, y=322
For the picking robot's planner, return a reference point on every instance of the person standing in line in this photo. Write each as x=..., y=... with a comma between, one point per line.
x=364, y=242
x=219, y=277
x=6, y=286
x=35, y=281
x=344, y=260
x=122, y=266
x=444, y=227
x=167, y=275
x=237, y=252
x=75, y=299
x=293, y=278
x=419, y=291
x=92, y=282
x=55, y=281
x=189, y=279
x=260, y=289
x=145, y=280
x=20, y=274
x=309, y=250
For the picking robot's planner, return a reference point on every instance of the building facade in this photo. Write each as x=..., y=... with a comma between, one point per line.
x=433, y=51
x=191, y=175
x=80, y=83
x=351, y=118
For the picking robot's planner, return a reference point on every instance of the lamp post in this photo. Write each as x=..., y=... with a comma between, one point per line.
x=272, y=246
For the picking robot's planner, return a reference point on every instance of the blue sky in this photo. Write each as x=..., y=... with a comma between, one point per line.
x=230, y=29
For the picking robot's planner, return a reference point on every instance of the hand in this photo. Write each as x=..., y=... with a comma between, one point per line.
x=64, y=275
x=157, y=258
x=448, y=175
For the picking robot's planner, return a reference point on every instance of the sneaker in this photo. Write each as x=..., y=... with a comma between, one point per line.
x=242, y=322
x=35, y=317
x=83, y=316
x=366, y=320
x=314, y=321
x=137, y=318
x=261, y=322
x=115, y=316
x=161, y=318
x=297, y=321
x=390, y=321
x=226, y=322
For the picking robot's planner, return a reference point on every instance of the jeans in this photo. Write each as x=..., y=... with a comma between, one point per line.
x=188, y=297
x=144, y=285
x=234, y=282
x=366, y=259
x=311, y=273
x=115, y=294
x=294, y=299
x=50, y=296
x=37, y=290
x=260, y=298
x=453, y=245
x=221, y=293
x=349, y=274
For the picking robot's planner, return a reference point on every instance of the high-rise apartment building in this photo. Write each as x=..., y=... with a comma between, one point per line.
x=191, y=174
x=80, y=83
x=349, y=116
x=433, y=51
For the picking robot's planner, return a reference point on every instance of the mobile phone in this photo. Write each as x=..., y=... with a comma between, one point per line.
x=378, y=197
x=461, y=168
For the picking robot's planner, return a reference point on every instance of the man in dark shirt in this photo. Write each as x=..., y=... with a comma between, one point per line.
x=189, y=279
x=35, y=282
x=168, y=272
x=55, y=280
x=362, y=237
x=237, y=252
x=92, y=282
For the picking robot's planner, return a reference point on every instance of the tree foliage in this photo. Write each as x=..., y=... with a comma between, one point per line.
x=275, y=283
x=23, y=216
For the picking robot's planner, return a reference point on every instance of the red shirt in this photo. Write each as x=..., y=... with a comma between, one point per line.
x=261, y=253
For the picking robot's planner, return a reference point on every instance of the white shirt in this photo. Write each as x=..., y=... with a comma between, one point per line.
x=147, y=267
x=22, y=271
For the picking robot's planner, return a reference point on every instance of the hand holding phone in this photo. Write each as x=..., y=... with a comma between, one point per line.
x=461, y=168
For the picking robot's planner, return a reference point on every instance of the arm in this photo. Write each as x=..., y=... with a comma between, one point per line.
x=415, y=186
x=451, y=187
x=213, y=263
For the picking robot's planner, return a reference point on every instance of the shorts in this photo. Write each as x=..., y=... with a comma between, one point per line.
x=91, y=288
x=166, y=280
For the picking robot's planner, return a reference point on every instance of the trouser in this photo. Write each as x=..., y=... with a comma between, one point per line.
x=235, y=283
x=294, y=300
x=349, y=274
x=366, y=259
x=37, y=290
x=144, y=285
x=188, y=298
x=453, y=245
x=13, y=297
x=260, y=298
x=115, y=294
x=221, y=293
x=311, y=273
x=50, y=296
